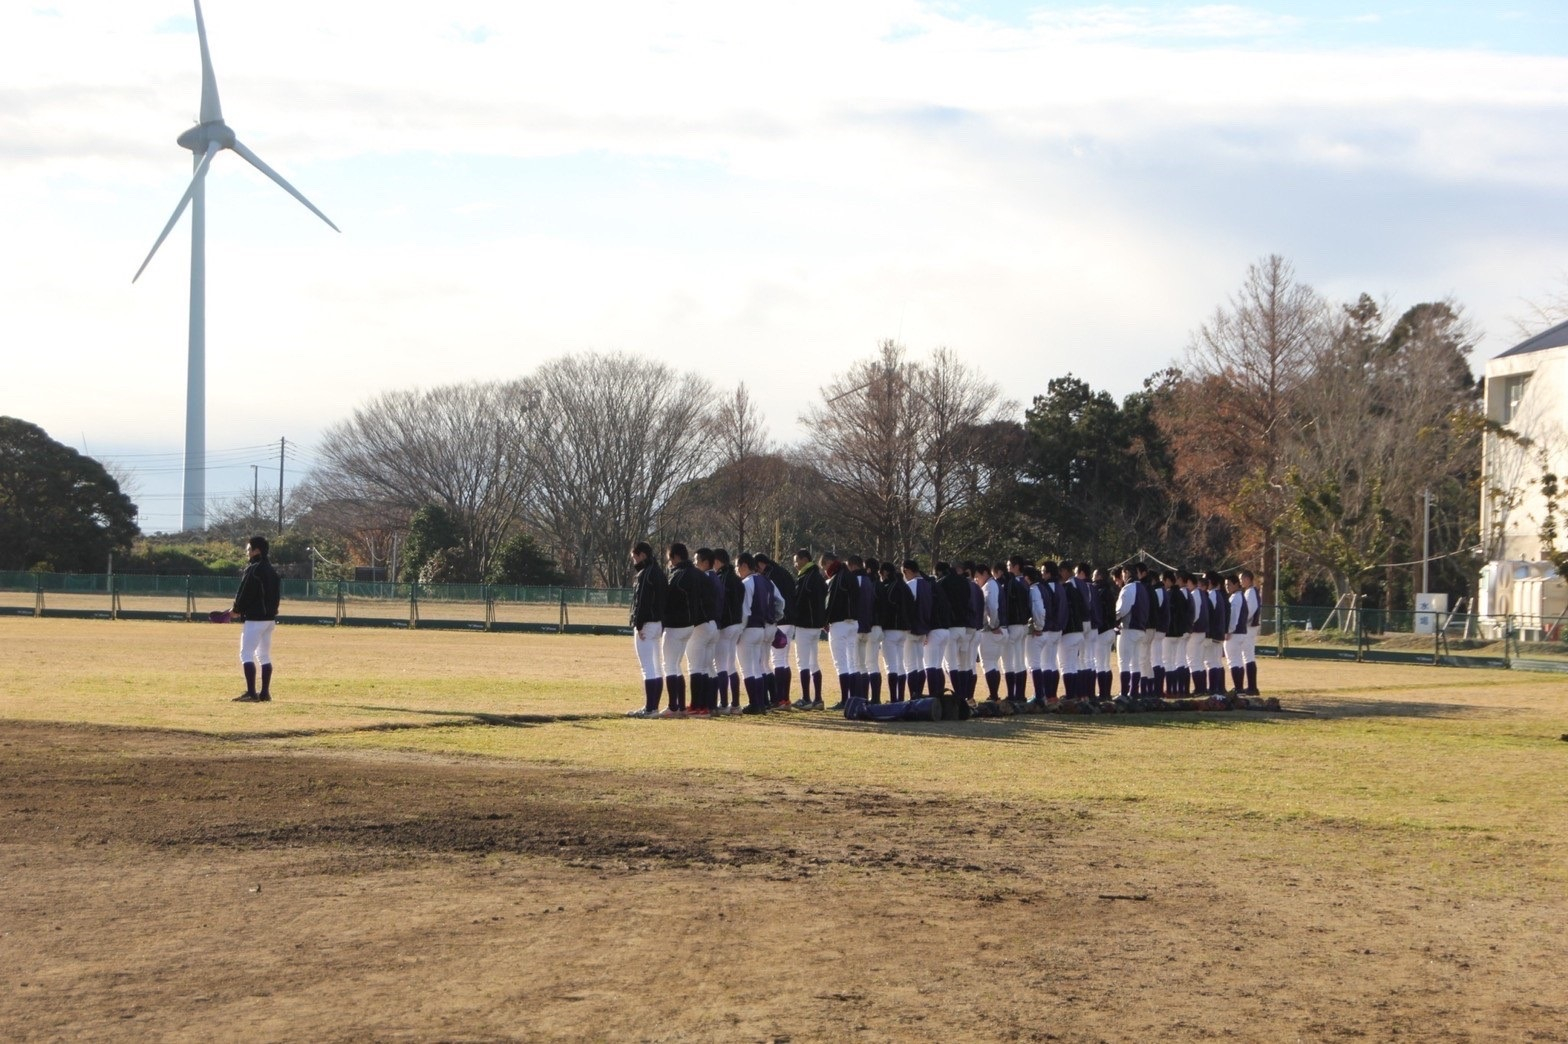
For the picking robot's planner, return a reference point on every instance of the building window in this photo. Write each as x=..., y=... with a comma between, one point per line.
x=1513, y=393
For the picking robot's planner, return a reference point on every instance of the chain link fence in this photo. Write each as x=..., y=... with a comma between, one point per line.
x=345, y=603
x=1289, y=631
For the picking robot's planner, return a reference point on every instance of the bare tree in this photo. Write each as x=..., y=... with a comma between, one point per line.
x=739, y=439
x=955, y=406
x=1387, y=413
x=865, y=441
x=1229, y=419
x=614, y=436
x=1544, y=312
x=461, y=446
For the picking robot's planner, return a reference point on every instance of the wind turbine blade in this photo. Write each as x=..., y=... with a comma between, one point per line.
x=201, y=172
x=255, y=161
x=211, y=111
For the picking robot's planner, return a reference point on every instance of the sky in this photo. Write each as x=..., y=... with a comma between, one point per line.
x=758, y=192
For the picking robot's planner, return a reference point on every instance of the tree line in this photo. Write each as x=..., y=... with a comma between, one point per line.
x=1287, y=425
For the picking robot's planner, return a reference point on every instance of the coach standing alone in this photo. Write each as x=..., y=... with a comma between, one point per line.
x=256, y=603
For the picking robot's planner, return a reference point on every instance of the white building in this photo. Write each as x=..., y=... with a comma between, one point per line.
x=1526, y=392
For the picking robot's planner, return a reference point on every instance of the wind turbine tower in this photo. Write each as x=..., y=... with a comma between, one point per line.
x=205, y=140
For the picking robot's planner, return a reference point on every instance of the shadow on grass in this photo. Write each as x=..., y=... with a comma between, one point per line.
x=1022, y=728
x=447, y=719
x=1371, y=707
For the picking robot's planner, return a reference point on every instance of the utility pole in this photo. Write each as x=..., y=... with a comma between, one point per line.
x=255, y=491
x=283, y=446
x=1426, y=537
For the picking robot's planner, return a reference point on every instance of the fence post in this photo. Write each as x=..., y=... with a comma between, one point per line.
x=484, y=590
x=114, y=597
x=560, y=627
x=337, y=616
x=1361, y=635
x=413, y=605
x=190, y=600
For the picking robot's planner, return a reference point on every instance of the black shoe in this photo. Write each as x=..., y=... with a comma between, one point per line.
x=752, y=708
x=247, y=697
x=264, y=697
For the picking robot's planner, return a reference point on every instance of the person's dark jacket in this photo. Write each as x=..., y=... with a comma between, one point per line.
x=976, y=615
x=1217, y=621
x=259, y=593
x=941, y=609
x=688, y=601
x=1019, y=608
x=1105, y=598
x=1139, y=618
x=955, y=589
x=734, y=597
x=808, y=609
x=784, y=580
x=866, y=602
x=761, y=600
x=1180, y=618
x=1077, y=611
x=1198, y=598
x=648, y=595
x=842, y=598
x=901, y=606
x=886, y=614
x=923, y=590
x=1053, y=597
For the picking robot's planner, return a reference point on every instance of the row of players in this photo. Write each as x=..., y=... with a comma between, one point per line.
x=1049, y=625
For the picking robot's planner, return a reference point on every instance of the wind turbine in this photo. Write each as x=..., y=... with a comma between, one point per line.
x=205, y=140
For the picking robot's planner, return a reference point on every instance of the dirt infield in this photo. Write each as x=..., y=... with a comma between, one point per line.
x=1391, y=868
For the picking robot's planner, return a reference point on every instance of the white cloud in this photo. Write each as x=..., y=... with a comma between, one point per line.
x=758, y=192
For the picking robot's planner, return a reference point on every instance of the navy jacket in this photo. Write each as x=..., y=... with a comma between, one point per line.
x=1054, y=598
x=1138, y=619
x=886, y=614
x=1200, y=611
x=734, y=596
x=1162, y=610
x=688, y=600
x=259, y=593
x=843, y=597
x=901, y=605
x=923, y=592
x=976, y=616
x=784, y=580
x=955, y=591
x=1180, y=613
x=761, y=600
x=648, y=595
x=865, y=602
x=1079, y=611
x=809, y=609
x=1105, y=598
x=1217, y=606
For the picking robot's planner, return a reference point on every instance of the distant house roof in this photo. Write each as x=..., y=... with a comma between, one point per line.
x=1556, y=337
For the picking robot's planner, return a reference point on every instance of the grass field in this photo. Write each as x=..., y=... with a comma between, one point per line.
x=448, y=835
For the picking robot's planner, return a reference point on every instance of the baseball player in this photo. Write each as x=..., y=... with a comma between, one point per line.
x=256, y=604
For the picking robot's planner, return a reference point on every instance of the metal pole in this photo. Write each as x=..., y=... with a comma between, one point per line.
x=1426, y=537
x=283, y=445
x=255, y=491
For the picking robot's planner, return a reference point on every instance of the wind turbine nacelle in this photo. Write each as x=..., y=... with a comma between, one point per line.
x=198, y=137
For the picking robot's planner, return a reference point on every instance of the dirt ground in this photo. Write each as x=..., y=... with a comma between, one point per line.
x=169, y=886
